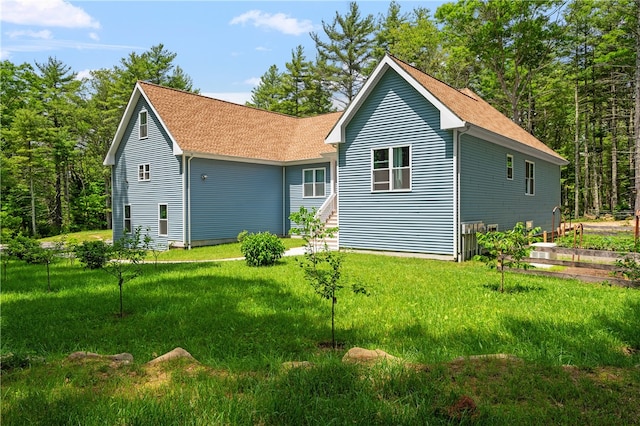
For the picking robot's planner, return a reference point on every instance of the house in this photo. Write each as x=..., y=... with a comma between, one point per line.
x=412, y=165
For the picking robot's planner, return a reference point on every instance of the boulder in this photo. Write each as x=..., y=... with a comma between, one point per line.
x=366, y=356
x=174, y=354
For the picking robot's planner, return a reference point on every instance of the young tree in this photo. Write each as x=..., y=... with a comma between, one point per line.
x=126, y=259
x=507, y=248
x=322, y=267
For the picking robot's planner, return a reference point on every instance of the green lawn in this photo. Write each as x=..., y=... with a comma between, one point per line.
x=101, y=234
x=579, y=346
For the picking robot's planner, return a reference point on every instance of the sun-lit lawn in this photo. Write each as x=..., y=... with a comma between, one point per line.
x=241, y=324
x=99, y=234
x=221, y=251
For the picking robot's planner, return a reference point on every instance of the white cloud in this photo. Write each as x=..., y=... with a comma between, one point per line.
x=94, y=36
x=44, y=34
x=254, y=81
x=263, y=49
x=84, y=74
x=235, y=97
x=53, y=13
x=278, y=21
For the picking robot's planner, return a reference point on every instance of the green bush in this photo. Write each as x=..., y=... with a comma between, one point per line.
x=23, y=248
x=93, y=254
x=262, y=249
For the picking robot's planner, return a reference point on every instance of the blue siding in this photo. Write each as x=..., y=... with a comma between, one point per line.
x=165, y=185
x=234, y=197
x=487, y=195
x=294, y=192
x=418, y=221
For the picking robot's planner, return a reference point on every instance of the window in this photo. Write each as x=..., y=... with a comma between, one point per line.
x=144, y=172
x=143, y=129
x=492, y=228
x=314, y=183
x=529, y=178
x=163, y=219
x=391, y=169
x=127, y=218
x=509, y=166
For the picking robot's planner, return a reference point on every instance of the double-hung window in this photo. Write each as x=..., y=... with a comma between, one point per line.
x=509, y=166
x=143, y=129
x=144, y=172
x=314, y=183
x=529, y=178
x=127, y=218
x=163, y=219
x=391, y=169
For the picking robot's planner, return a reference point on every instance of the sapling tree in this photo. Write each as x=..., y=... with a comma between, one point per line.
x=125, y=259
x=322, y=267
x=507, y=248
x=45, y=256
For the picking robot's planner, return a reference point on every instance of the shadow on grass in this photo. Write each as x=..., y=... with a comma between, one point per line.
x=222, y=317
x=514, y=289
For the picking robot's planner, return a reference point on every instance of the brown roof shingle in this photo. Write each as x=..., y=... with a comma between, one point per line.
x=471, y=108
x=209, y=126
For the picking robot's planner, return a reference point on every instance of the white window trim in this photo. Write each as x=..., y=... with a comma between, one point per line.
x=124, y=219
x=160, y=220
x=140, y=125
x=510, y=157
x=527, y=179
x=146, y=171
x=324, y=169
x=391, y=168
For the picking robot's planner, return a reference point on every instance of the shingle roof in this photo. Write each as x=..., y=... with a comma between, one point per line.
x=209, y=126
x=471, y=108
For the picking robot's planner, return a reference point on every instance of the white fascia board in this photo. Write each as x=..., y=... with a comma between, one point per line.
x=337, y=133
x=448, y=120
x=208, y=156
x=110, y=159
x=492, y=137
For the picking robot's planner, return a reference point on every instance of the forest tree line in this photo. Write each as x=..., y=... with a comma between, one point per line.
x=566, y=71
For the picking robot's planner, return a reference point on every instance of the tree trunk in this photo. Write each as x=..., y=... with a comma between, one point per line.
x=614, y=150
x=120, y=283
x=636, y=117
x=107, y=201
x=576, y=157
x=333, y=322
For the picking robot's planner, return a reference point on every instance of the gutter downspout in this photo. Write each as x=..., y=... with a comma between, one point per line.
x=189, y=202
x=457, y=135
x=184, y=200
x=284, y=202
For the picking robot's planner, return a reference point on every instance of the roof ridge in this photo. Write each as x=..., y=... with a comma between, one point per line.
x=436, y=78
x=186, y=92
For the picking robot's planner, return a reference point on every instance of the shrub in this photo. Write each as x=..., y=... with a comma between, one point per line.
x=262, y=249
x=242, y=235
x=93, y=254
x=23, y=248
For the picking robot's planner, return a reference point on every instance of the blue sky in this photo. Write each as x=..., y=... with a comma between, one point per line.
x=225, y=46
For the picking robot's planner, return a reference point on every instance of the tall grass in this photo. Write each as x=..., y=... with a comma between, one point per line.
x=242, y=323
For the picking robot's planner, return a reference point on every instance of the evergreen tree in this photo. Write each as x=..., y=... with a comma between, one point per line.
x=348, y=54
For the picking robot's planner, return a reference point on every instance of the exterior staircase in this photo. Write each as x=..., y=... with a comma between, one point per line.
x=332, y=222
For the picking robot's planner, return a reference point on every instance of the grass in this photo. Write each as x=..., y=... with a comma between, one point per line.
x=221, y=251
x=578, y=346
x=101, y=234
